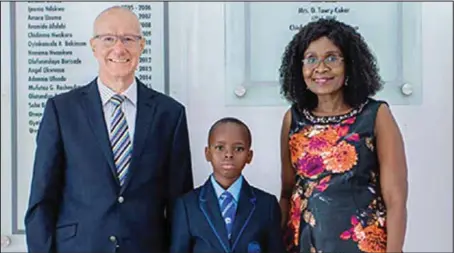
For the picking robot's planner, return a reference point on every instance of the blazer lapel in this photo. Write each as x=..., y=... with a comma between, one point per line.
x=209, y=205
x=146, y=110
x=245, y=209
x=92, y=105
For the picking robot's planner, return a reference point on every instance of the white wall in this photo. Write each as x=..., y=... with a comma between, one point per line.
x=197, y=79
x=6, y=132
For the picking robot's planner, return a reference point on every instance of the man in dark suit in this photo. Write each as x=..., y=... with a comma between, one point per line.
x=227, y=214
x=111, y=156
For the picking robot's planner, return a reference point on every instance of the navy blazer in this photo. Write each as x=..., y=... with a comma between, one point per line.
x=76, y=203
x=198, y=226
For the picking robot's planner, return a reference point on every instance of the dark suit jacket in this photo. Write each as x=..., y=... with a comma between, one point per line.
x=197, y=224
x=76, y=203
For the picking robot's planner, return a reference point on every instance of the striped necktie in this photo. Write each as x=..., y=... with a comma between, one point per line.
x=228, y=209
x=119, y=139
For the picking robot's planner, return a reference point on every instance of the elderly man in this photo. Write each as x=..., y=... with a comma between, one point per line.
x=111, y=156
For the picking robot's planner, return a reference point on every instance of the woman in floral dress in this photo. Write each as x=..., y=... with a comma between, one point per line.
x=344, y=174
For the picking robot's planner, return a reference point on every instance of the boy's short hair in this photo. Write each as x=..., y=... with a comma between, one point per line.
x=230, y=120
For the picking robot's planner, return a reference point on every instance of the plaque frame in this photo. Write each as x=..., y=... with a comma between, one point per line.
x=16, y=229
x=241, y=90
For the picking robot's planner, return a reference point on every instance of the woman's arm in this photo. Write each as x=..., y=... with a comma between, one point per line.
x=287, y=173
x=393, y=177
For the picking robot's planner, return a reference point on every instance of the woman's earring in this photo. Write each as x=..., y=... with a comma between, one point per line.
x=346, y=81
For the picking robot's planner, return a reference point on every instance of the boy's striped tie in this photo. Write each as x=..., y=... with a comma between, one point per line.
x=228, y=209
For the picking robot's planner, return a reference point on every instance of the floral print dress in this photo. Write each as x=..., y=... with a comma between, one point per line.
x=336, y=205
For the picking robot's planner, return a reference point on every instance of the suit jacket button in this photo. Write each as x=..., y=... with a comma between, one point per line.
x=112, y=238
x=121, y=199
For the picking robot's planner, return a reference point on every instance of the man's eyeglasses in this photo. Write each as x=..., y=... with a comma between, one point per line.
x=332, y=61
x=110, y=40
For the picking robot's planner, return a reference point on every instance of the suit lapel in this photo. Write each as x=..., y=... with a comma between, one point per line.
x=210, y=207
x=146, y=110
x=92, y=105
x=245, y=209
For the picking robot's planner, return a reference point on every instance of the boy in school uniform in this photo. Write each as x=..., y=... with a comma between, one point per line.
x=227, y=214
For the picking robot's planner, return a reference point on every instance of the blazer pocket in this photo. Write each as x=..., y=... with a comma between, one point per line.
x=65, y=232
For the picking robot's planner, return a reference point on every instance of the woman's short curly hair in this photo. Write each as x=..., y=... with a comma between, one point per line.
x=360, y=64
